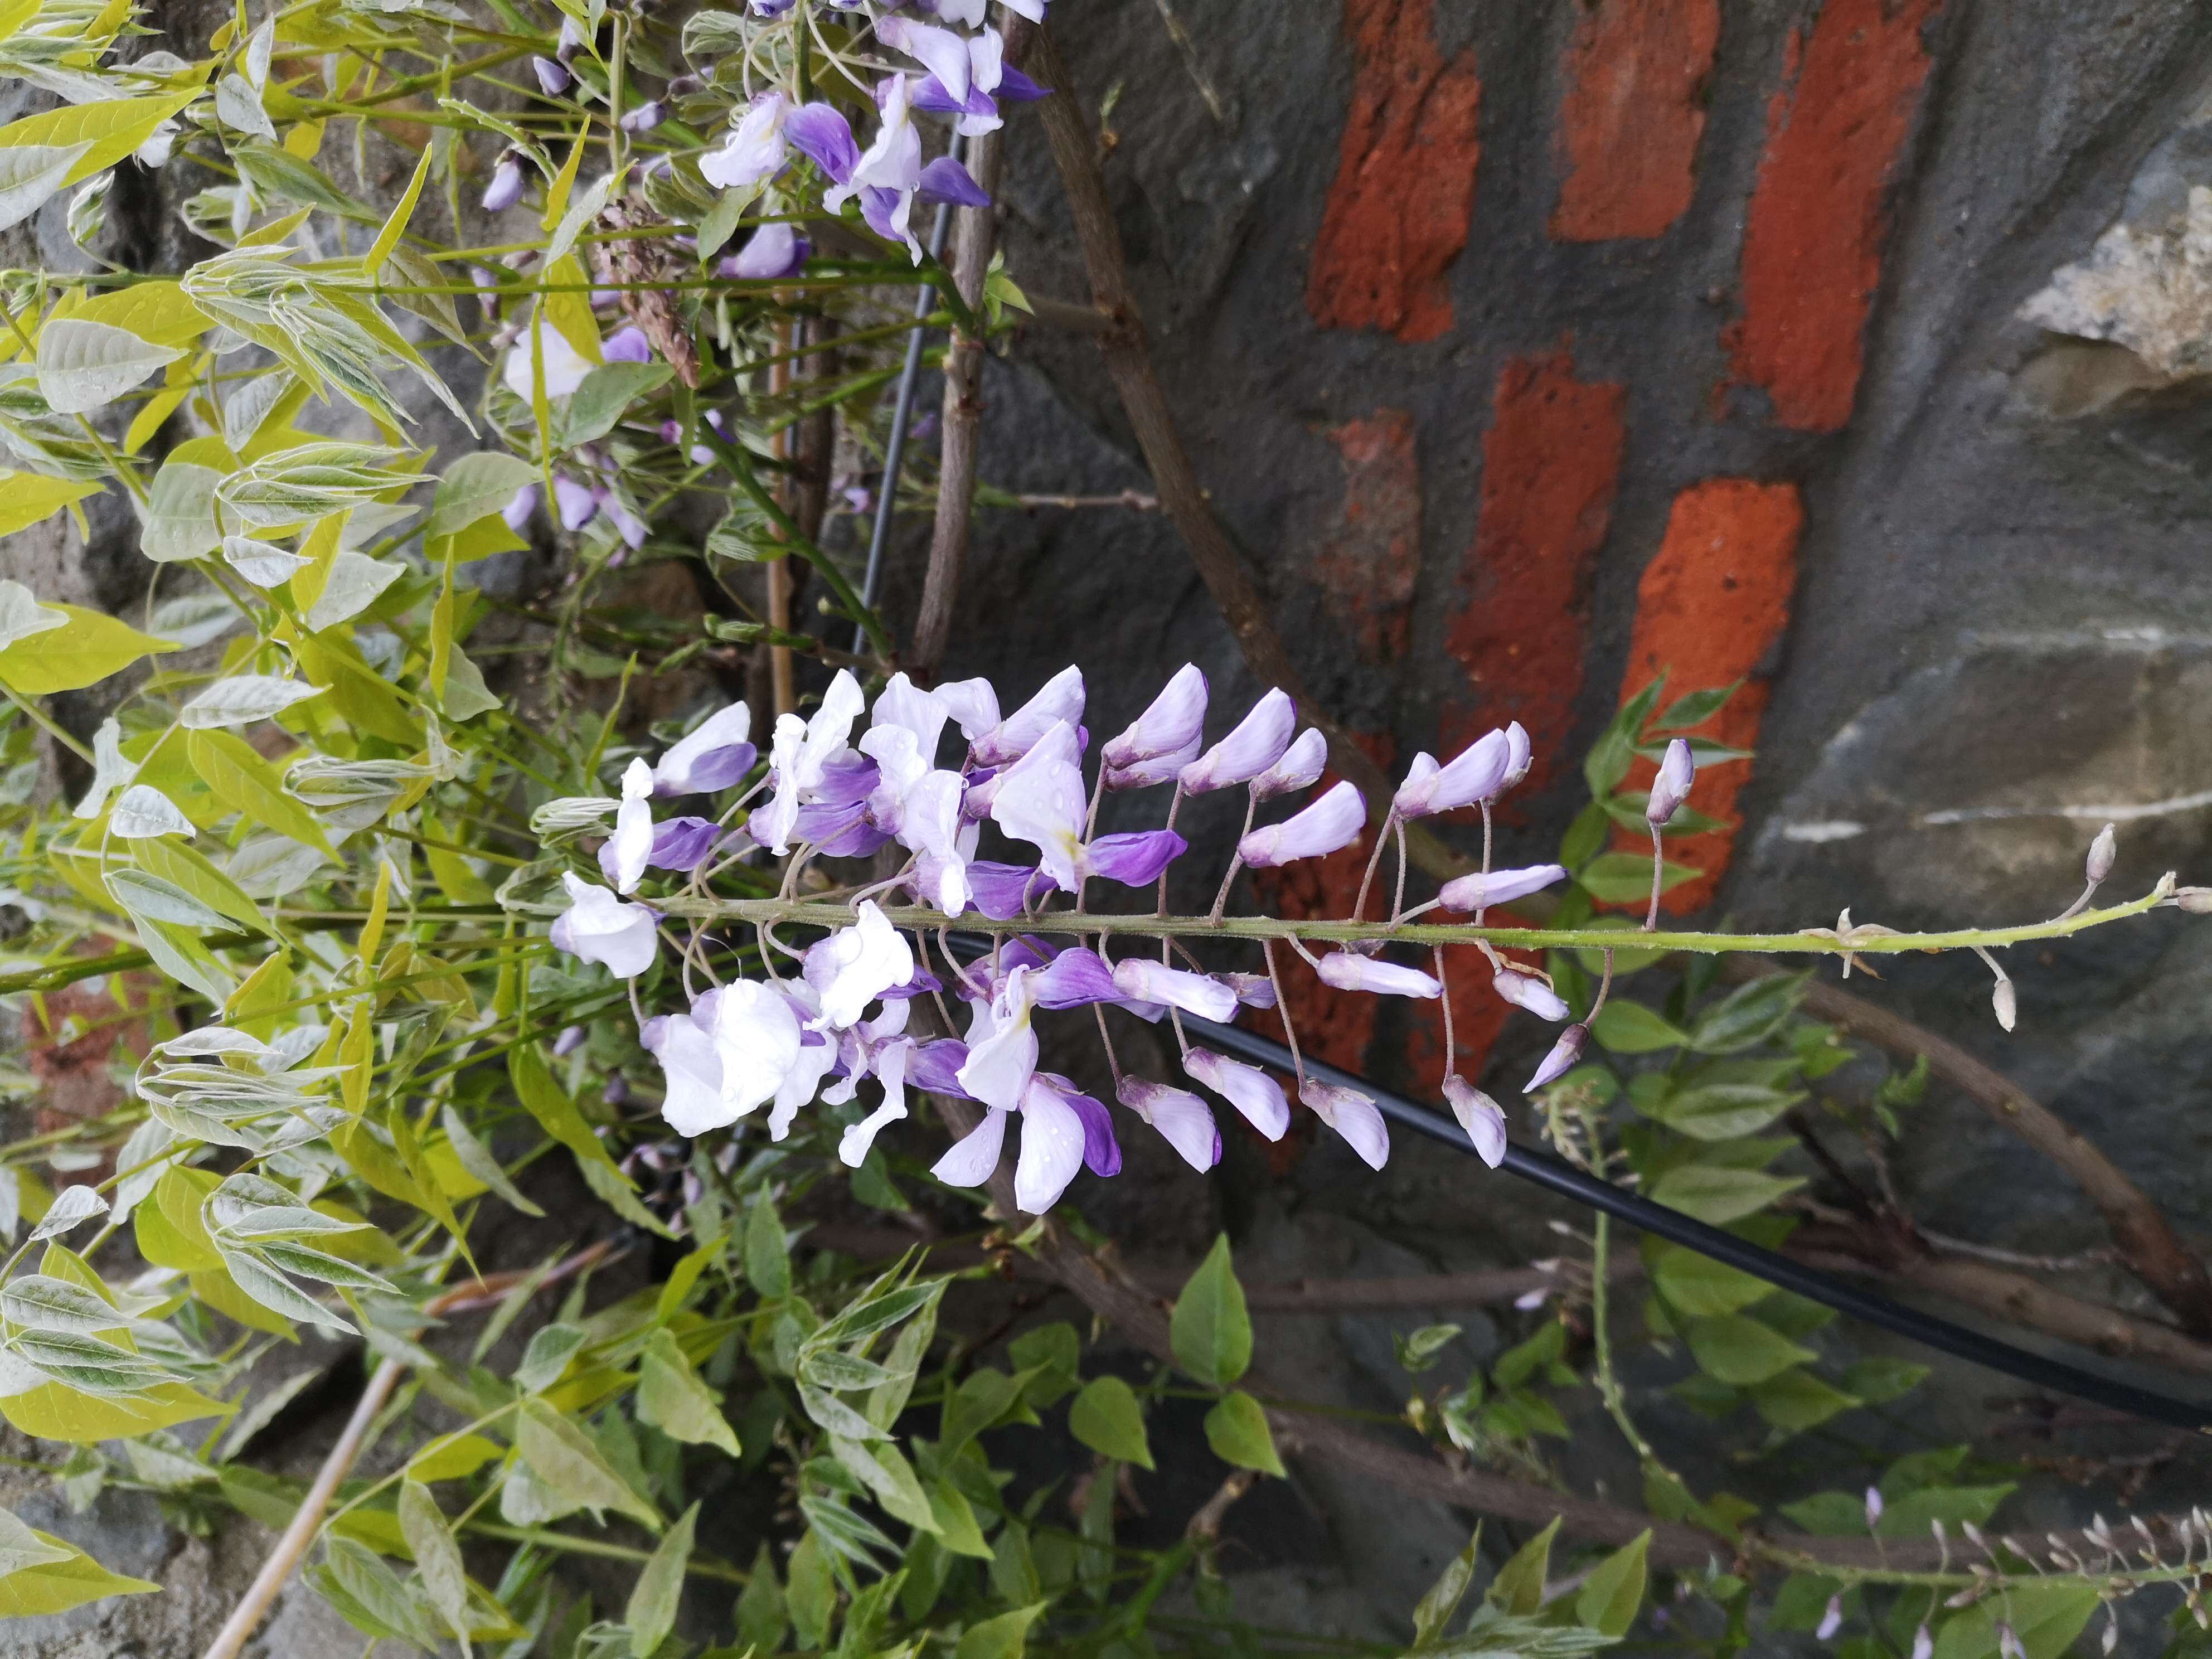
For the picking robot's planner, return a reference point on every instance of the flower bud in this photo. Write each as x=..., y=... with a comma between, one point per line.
x=1924, y=1644
x=1253, y=990
x=505, y=189
x=1347, y=972
x=645, y=117
x=1832, y=1620
x=1247, y=1088
x=1517, y=755
x=1142, y=981
x=1482, y=1118
x=1258, y=741
x=1334, y=821
x=1524, y=991
x=1565, y=1053
x=1060, y=699
x=2102, y=851
x=2006, y=1002
x=1476, y=774
x=1352, y=1115
x=1479, y=892
x=2008, y=1643
x=1300, y=766
x=1175, y=721
x=2196, y=901
x=577, y=504
x=521, y=507
x=1672, y=786
x=553, y=77
x=1873, y=1507
x=1180, y=1115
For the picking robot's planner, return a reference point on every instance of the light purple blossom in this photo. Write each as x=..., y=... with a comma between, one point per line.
x=971, y=1159
x=855, y=965
x=570, y=1040
x=553, y=79
x=1146, y=753
x=1247, y=1088
x=1479, y=891
x=627, y=345
x=1040, y=799
x=505, y=189
x=1102, y=1153
x=623, y=858
x=1058, y=701
x=577, y=504
x=800, y=756
x=891, y=167
x=1259, y=740
x=645, y=117
x=682, y=843
x=1476, y=774
x=1144, y=981
x=755, y=152
x=1518, y=754
x=1002, y=891
x=1002, y=1047
x=1482, y=1118
x=1524, y=991
x=1253, y=990
x=820, y=133
x=1832, y=1620
x=1672, y=786
x=1565, y=1053
x=692, y=1068
x=1334, y=821
x=521, y=507
x=1075, y=978
x=711, y=756
x=888, y=1063
x=1300, y=766
x=774, y=251
x=1352, y=1115
x=945, y=180
x=935, y=1067
x=632, y=529
x=1180, y=1116
x=1347, y=970
x=597, y=926
x=1134, y=859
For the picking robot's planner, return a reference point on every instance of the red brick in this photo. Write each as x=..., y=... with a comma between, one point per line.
x=1404, y=195
x=1549, y=464
x=1631, y=116
x=1368, y=562
x=1709, y=609
x=1813, y=243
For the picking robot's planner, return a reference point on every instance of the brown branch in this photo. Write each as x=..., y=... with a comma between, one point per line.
x=2148, y=1245
x=1129, y=362
x=974, y=233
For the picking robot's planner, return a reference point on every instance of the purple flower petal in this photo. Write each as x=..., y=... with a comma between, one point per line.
x=1102, y=1153
x=821, y=134
x=999, y=889
x=1075, y=977
x=627, y=345
x=1018, y=87
x=945, y=180
x=774, y=251
x=1136, y=859
x=934, y=1068
x=682, y=843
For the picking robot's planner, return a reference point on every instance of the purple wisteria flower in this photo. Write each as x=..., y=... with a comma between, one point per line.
x=1347, y=970
x=521, y=507
x=1332, y=822
x=1299, y=769
x=1479, y=891
x=597, y=926
x=1477, y=775
x=1352, y=1115
x=1058, y=702
x=1565, y=1053
x=756, y=151
x=1135, y=858
x=1162, y=740
x=1180, y=1116
x=1202, y=994
x=627, y=345
x=505, y=189
x=1259, y=740
x=1482, y=1118
x=773, y=252
x=553, y=77
x=1672, y=786
x=1247, y=1088
x=711, y=756
x=1523, y=991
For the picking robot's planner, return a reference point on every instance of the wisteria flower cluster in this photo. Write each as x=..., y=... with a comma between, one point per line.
x=845, y=1016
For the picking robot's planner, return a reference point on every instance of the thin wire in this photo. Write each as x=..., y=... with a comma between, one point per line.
x=924, y=301
x=1555, y=1175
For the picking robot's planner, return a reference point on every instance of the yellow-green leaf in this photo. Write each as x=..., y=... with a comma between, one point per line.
x=111, y=131
x=1237, y=1428
x=248, y=785
x=29, y=498
x=84, y=651
x=57, y=1586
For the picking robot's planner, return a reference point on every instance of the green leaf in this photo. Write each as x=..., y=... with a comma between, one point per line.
x=1435, y=1609
x=1519, y=1587
x=606, y=396
x=2046, y=1617
x=572, y=1469
x=84, y=651
x=61, y=1577
x=1696, y=709
x=476, y=487
x=651, y=1614
x=1002, y=1638
x=1737, y=1349
x=1210, y=1330
x=761, y=1618
x=984, y=1395
x=1629, y=1027
x=768, y=1258
x=1877, y=1381
x=240, y=780
x=545, y=1100
x=1585, y=838
x=437, y=1557
x=1721, y=1112
x=21, y=1547
x=1717, y=1195
x=107, y=131
x=1796, y=1400
x=479, y=1160
x=1749, y=1014
x=1106, y=1418
x=28, y=498
x=1614, y=1589
x=1698, y=1285
x=1237, y=1428
x=84, y=366
x=672, y=1398
x=1625, y=878
x=551, y=1348
x=1908, y=1516
x=884, y=1470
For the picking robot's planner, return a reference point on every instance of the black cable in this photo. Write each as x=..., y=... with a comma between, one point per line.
x=1556, y=1175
